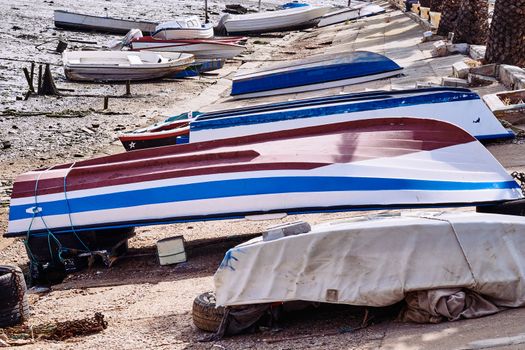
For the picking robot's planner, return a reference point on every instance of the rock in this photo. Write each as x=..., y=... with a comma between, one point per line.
x=5, y=144
x=490, y=70
x=454, y=82
x=460, y=70
x=477, y=52
x=458, y=48
x=480, y=80
x=439, y=49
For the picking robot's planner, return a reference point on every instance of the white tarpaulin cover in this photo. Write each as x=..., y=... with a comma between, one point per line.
x=376, y=261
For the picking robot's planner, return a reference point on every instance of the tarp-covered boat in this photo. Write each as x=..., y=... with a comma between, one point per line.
x=375, y=163
x=272, y=21
x=375, y=261
x=122, y=65
x=78, y=21
x=214, y=48
x=461, y=107
x=314, y=73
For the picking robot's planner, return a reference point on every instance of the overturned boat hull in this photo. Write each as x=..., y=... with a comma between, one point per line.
x=357, y=10
x=314, y=73
x=377, y=163
x=77, y=21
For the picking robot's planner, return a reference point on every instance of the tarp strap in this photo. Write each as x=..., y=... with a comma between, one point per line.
x=459, y=243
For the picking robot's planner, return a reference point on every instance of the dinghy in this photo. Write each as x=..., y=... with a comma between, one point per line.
x=222, y=48
x=183, y=28
x=374, y=163
x=357, y=9
x=272, y=21
x=314, y=73
x=121, y=65
x=200, y=66
x=77, y=21
x=461, y=107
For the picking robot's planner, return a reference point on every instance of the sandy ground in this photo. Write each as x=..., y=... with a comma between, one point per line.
x=147, y=305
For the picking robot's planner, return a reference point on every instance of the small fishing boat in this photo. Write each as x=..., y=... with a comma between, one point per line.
x=272, y=21
x=314, y=73
x=364, y=164
x=461, y=107
x=183, y=28
x=122, y=65
x=77, y=21
x=358, y=9
x=199, y=67
x=221, y=48
x=173, y=130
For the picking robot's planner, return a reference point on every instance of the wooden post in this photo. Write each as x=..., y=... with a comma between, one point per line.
x=48, y=84
x=28, y=78
x=206, y=19
x=39, y=79
x=128, y=88
x=106, y=102
x=259, y=5
x=32, y=73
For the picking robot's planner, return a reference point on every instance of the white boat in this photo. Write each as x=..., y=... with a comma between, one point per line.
x=273, y=21
x=200, y=48
x=78, y=21
x=122, y=65
x=375, y=261
x=358, y=9
x=183, y=28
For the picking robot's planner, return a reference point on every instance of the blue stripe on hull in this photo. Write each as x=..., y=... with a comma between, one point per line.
x=442, y=97
x=247, y=187
x=309, y=76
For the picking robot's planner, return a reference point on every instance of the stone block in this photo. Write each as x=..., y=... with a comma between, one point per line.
x=460, y=70
x=439, y=49
x=454, y=82
x=490, y=70
x=511, y=76
x=477, y=52
x=480, y=80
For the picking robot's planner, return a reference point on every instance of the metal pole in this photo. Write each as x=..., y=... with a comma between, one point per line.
x=206, y=20
x=259, y=5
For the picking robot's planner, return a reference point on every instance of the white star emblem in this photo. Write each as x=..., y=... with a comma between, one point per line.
x=132, y=145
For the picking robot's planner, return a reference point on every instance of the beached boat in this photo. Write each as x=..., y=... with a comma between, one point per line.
x=221, y=48
x=357, y=9
x=374, y=163
x=173, y=130
x=314, y=73
x=199, y=67
x=183, y=28
x=272, y=21
x=461, y=107
x=78, y=21
x=375, y=261
x=122, y=65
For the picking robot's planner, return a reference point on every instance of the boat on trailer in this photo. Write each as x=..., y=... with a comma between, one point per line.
x=122, y=65
x=364, y=164
x=314, y=73
x=271, y=21
x=183, y=28
x=78, y=21
x=357, y=9
x=214, y=48
x=458, y=106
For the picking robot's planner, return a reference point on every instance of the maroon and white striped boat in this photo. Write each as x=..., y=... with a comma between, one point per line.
x=373, y=163
x=200, y=48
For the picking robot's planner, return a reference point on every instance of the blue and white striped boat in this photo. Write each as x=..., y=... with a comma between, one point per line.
x=314, y=73
x=461, y=107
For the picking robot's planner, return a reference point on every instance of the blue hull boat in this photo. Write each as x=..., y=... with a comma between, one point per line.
x=314, y=73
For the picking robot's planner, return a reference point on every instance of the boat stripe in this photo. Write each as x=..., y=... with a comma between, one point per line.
x=246, y=187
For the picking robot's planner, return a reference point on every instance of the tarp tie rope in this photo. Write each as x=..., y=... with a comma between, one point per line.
x=459, y=243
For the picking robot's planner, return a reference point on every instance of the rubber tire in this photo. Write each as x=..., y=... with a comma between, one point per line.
x=206, y=316
x=12, y=309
